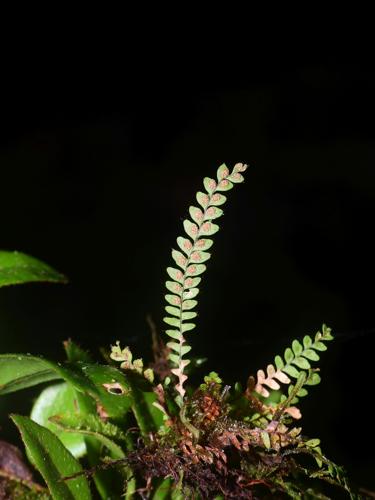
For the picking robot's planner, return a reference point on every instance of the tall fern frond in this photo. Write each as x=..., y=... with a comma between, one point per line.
x=190, y=260
x=297, y=360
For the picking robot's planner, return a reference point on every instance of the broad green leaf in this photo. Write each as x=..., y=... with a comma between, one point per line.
x=188, y=315
x=208, y=229
x=186, y=327
x=174, y=358
x=174, y=346
x=175, y=311
x=313, y=379
x=279, y=362
x=185, y=349
x=191, y=229
x=307, y=341
x=190, y=294
x=203, y=244
x=196, y=214
x=174, y=287
x=191, y=282
x=319, y=346
x=53, y=461
x=195, y=269
x=78, y=424
x=58, y=398
x=173, y=300
x=174, y=334
x=19, y=371
x=17, y=268
x=189, y=304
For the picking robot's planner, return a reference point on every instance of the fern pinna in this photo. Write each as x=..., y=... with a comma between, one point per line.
x=190, y=261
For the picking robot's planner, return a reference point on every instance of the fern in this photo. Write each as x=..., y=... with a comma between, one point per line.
x=296, y=364
x=190, y=261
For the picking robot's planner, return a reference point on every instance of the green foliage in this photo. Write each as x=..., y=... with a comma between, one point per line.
x=137, y=439
x=17, y=268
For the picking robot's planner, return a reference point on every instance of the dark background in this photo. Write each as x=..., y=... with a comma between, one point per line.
x=96, y=177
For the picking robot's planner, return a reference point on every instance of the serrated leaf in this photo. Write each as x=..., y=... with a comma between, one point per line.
x=196, y=214
x=208, y=229
x=191, y=229
x=297, y=347
x=288, y=355
x=279, y=362
x=173, y=300
x=236, y=178
x=55, y=399
x=179, y=258
x=203, y=199
x=310, y=354
x=186, y=327
x=17, y=268
x=188, y=315
x=222, y=172
x=53, y=461
x=313, y=379
x=185, y=244
x=290, y=370
x=224, y=185
x=174, y=311
x=307, y=341
x=203, y=244
x=319, y=346
x=189, y=304
x=218, y=199
x=174, y=287
x=191, y=282
x=213, y=213
x=174, y=334
x=172, y=321
x=301, y=363
x=199, y=257
x=190, y=294
x=209, y=184
x=195, y=269
x=175, y=274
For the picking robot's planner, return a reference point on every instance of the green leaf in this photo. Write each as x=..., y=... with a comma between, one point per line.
x=190, y=294
x=236, y=177
x=266, y=439
x=218, y=199
x=174, y=287
x=208, y=229
x=312, y=443
x=53, y=461
x=222, y=172
x=196, y=214
x=213, y=213
x=172, y=321
x=195, y=269
x=310, y=354
x=185, y=244
x=200, y=257
x=174, y=346
x=192, y=282
x=203, y=244
x=186, y=327
x=189, y=304
x=301, y=363
x=19, y=371
x=288, y=355
x=191, y=229
x=319, y=346
x=307, y=341
x=279, y=362
x=175, y=274
x=173, y=300
x=179, y=258
x=188, y=315
x=17, y=268
x=290, y=370
x=175, y=311
x=58, y=398
x=224, y=185
x=75, y=353
x=297, y=347
x=313, y=379
x=203, y=199
x=209, y=184
x=174, y=334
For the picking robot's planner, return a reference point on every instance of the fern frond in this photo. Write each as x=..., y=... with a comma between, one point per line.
x=190, y=259
x=297, y=360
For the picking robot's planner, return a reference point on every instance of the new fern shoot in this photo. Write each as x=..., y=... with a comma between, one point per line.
x=128, y=428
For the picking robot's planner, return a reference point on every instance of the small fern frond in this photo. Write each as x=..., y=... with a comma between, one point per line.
x=190, y=259
x=297, y=360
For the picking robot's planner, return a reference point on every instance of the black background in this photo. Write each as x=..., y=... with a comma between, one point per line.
x=97, y=173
